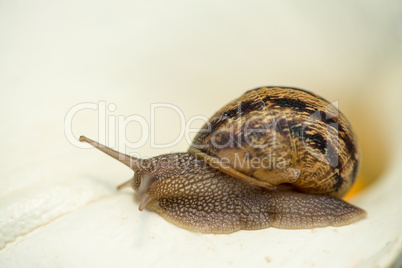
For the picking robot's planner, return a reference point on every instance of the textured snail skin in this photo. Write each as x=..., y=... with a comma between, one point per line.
x=203, y=199
x=200, y=192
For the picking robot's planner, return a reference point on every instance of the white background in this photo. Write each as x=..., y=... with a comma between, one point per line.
x=58, y=204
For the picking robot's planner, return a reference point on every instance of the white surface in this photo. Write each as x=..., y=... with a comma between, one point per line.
x=58, y=206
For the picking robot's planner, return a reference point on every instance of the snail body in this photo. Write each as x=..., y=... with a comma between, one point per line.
x=227, y=180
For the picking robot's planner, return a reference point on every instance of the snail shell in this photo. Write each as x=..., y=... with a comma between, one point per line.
x=224, y=183
x=277, y=135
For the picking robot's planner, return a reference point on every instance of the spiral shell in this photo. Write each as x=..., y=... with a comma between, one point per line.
x=272, y=136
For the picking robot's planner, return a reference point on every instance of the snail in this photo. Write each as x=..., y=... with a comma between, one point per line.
x=275, y=157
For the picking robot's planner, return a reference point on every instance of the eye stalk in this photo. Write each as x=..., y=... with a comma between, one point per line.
x=142, y=179
x=130, y=161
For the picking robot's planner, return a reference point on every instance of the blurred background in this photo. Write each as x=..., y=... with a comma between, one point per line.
x=197, y=56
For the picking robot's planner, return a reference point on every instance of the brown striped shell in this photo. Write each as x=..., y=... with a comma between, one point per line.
x=278, y=135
